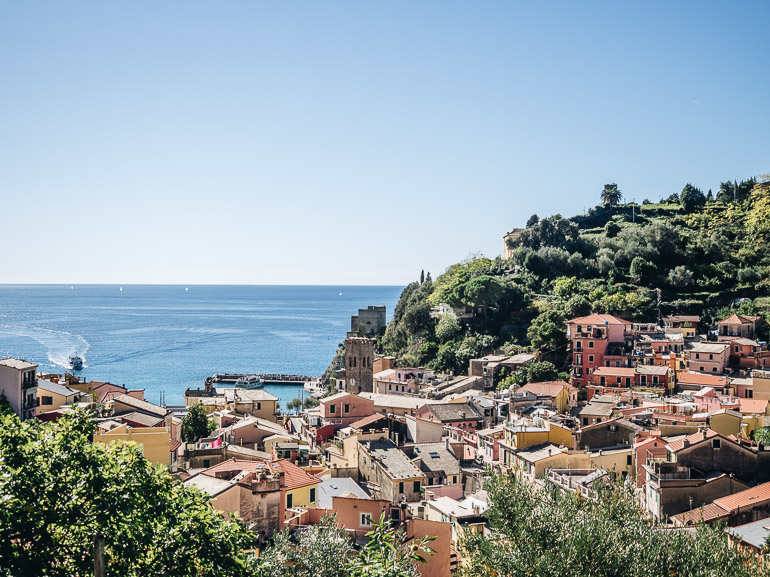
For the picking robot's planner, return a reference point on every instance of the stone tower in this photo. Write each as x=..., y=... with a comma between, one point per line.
x=359, y=353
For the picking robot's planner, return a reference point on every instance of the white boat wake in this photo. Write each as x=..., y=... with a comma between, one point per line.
x=60, y=345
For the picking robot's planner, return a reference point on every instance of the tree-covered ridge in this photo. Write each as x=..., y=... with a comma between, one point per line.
x=691, y=253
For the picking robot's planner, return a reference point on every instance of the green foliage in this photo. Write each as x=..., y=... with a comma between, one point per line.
x=692, y=198
x=548, y=331
x=196, y=424
x=550, y=533
x=532, y=220
x=59, y=489
x=604, y=262
x=310, y=403
x=448, y=327
x=536, y=372
x=762, y=435
x=611, y=194
x=294, y=405
x=387, y=554
x=322, y=550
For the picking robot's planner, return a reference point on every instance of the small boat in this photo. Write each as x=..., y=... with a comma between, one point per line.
x=76, y=363
x=340, y=294
x=249, y=382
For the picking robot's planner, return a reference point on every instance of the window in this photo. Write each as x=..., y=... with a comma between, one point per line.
x=390, y=387
x=628, y=460
x=713, y=369
x=736, y=348
x=416, y=487
x=259, y=406
x=643, y=379
x=711, y=357
x=702, y=369
x=628, y=381
x=312, y=493
x=346, y=408
x=332, y=409
x=206, y=463
x=590, y=344
x=717, y=443
x=697, y=356
x=47, y=401
x=454, y=479
x=366, y=520
x=749, y=394
x=289, y=500
x=401, y=487
x=590, y=358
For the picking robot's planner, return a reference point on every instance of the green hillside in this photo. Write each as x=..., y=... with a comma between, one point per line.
x=691, y=253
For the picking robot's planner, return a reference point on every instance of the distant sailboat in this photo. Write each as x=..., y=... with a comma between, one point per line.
x=340, y=294
x=186, y=289
x=121, y=289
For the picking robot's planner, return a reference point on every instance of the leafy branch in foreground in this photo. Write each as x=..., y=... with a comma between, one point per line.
x=549, y=533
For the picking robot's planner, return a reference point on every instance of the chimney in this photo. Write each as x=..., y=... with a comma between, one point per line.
x=686, y=443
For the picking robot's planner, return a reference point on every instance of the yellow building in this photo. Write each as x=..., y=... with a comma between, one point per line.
x=537, y=460
x=300, y=488
x=617, y=461
x=521, y=434
x=154, y=441
x=51, y=396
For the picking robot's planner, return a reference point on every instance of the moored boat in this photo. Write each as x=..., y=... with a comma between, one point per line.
x=249, y=382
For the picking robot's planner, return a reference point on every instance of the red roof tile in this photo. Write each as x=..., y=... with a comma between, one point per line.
x=597, y=319
x=692, y=440
x=293, y=476
x=702, y=379
x=753, y=406
x=545, y=389
x=366, y=421
x=758, y=495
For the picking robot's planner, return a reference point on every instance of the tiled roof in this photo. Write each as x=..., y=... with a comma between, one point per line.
x=753, y=406
x=393, y=461
x=615, y=371
x=702, y=379
x=17, y=364
x=175, y=444
x=140, y=405
x=692, y=440
x=735, y=319
x=597, y=319
x=703, y=514
x=367, y=421
x=454, y=412
x=142, y=419
x=709, y=348
x=545, y=388
x=749, y=498
x=682, y=319
x=56, y=388
x=238, y=465
x=294, y=477
x=651, y=370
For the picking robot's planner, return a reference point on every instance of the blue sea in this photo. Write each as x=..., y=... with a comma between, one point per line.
x=164, y=339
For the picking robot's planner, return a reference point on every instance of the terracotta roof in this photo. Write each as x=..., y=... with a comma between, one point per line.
x=294, y=477
x=141, y=405
x=703, y=514
x=366, y=421
x=545, y=388
x=692, y=440
x=749, y=498
x=237, y=465
x=753, y=406
x=682, y=319
x=738, y=319
x=702, y=379
x=597, y=319
x=615, y=371
x=175, y=444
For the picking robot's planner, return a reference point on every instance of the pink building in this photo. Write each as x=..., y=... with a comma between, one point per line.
x=597, y=341
x=345, y=408
x=712, y=358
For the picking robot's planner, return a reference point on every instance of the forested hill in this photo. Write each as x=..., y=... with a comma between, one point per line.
x=691, y=253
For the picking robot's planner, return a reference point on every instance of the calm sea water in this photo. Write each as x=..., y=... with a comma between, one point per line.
x=167, y=338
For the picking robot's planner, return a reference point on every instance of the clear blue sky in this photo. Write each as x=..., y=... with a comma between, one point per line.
x=352, y=142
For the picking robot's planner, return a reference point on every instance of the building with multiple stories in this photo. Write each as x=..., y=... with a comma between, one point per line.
x=18, y=384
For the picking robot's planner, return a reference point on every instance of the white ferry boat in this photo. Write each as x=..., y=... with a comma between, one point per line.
x=249, y=382
x=76, y=363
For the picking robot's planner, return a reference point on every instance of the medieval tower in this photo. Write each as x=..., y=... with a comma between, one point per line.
x=359, y=353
